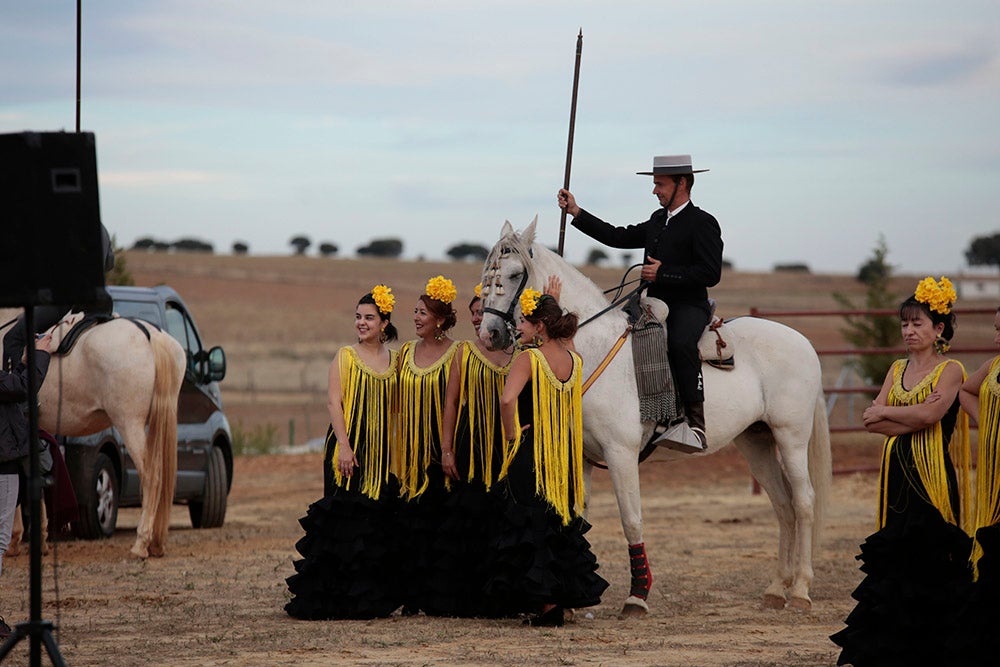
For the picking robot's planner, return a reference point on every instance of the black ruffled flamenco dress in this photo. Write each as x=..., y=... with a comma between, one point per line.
x=535, y=557
x=917, y=573
x=350, y=553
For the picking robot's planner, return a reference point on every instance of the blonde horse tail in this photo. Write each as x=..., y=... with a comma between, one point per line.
x=161, y=440
x=820, y=467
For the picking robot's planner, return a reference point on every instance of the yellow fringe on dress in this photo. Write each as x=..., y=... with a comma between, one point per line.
x=928, y=451
x=482, y=383
x=421, y=405
x=369, y=400
x=557, y=434
x=987, y=460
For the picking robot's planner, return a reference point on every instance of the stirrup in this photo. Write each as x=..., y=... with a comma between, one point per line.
x=682, y=438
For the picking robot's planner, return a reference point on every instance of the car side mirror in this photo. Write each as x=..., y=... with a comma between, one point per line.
x=216, y=364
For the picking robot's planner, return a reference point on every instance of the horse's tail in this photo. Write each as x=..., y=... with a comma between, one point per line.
x=820, y=466
x=161, y=440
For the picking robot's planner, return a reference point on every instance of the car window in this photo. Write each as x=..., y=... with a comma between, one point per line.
x=142, y=310
x=180, y=327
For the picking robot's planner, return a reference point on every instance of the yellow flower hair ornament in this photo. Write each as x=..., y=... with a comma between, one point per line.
x=442, y=289
x=383, y=298
x=939, y=296
x=529, y=301
x=478, y=290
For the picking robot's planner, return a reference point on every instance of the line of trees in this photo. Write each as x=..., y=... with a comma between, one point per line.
x=150, y=244
x=982, y=251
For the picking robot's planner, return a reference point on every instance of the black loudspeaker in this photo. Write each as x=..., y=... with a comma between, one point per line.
x=50, y=221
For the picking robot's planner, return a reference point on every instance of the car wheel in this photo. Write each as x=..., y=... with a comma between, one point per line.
x=210, y=511
x=98, y=501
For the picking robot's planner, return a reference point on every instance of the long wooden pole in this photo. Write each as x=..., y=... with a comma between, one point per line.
x=569, y=143
x=78, y=34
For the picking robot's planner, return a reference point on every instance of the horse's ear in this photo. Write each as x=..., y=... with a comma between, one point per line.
x=507, y=229
x=528, y=235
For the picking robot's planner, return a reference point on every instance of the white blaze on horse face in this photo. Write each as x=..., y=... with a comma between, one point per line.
x=506, y=274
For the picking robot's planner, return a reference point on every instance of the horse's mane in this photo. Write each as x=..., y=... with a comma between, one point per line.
x=510, y=243
x=523, y=244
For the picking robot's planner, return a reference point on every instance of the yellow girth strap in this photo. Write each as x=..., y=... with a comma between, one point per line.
x=607, y=359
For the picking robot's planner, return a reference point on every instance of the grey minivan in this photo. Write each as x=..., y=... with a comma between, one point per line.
x=103, y=474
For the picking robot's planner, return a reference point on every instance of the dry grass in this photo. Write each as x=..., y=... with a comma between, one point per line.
x=216, y=598
x=281, y=319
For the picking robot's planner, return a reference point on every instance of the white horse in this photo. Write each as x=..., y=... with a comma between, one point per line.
x=770, y=405
x=120, y=374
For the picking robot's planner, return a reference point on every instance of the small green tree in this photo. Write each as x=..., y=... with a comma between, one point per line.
x=391, y=247
x=119, y=273
x=984, y=250
x=865, y=331
x=300, y=243
x=596, y=256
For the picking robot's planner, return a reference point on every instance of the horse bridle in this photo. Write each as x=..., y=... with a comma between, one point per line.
x=508, y=315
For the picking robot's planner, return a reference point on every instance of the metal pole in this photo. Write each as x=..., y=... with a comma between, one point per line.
x=78, y=32
x=569, y=143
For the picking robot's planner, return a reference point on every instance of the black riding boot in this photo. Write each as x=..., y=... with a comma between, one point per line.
x=686, y=436
x=696, y=420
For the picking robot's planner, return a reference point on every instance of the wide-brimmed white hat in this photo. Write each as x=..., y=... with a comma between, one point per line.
x=671, y=165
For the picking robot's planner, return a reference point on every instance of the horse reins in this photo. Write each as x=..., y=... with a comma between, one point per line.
x=508, y=319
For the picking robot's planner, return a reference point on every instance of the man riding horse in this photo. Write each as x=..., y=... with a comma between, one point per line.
x=683, y=246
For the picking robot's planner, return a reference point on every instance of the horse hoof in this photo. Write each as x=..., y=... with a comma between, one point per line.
x=139, y=552
x=800, y=604
x=634, y=608
x=772, y=601
x=632, y=611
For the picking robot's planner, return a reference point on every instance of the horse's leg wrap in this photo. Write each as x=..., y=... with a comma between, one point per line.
x=642, y=578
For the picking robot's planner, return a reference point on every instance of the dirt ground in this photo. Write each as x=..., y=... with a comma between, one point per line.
x=216, y=598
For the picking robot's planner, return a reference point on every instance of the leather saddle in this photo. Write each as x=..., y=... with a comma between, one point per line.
x=78, y=323
x=713, y=347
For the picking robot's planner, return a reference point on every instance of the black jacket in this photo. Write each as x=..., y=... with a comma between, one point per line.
x=14, y=408
x=689, y=248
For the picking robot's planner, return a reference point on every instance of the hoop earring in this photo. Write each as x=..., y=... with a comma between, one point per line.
x=438, y=334
x=381, y=336
x=537, y=340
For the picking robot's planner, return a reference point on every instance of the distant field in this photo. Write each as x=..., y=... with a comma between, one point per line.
x=281, y=318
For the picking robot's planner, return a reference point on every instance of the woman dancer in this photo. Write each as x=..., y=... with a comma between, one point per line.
x=471, y=456
x=423, y=374
x=917, y=562
x=977, y=641
x=541, y=562
x=350, y=564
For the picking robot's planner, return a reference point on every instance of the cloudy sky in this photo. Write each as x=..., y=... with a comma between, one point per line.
x=824, y=125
